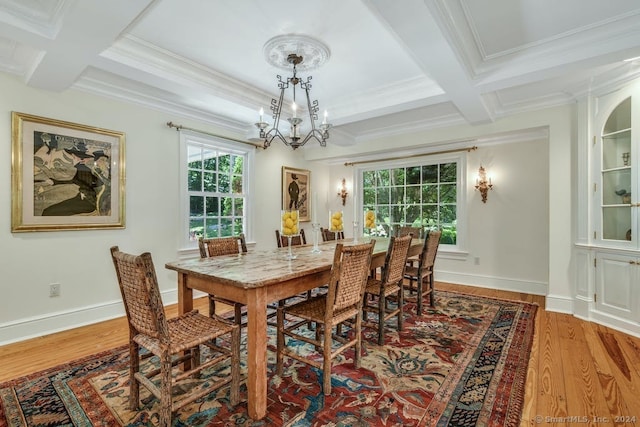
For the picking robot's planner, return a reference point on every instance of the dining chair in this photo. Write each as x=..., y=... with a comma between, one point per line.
x=423, y=273
x=283, y=241
x=174, y=341
x=379, y=292
x=217, y=246
x=417, y=232
x=403, y=230
x=342, y=302
x=328, y=235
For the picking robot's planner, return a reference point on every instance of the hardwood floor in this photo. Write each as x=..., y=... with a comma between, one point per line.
x=580, y=373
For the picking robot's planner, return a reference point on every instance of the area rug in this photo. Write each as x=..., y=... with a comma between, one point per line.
x=462, y=363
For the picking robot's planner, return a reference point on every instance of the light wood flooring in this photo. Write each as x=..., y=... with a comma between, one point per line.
x=580, y=373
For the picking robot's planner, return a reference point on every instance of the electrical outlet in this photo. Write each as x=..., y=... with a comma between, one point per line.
x=54, y=290
x=476, y=260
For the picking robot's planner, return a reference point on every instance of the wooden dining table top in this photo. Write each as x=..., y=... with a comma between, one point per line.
x=260, y=268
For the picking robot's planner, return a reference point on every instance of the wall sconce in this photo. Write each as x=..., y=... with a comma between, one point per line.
x=342, y=191
x=482, y=184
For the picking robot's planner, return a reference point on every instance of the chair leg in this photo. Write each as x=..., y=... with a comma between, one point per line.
x=237, y=314
x=326, y=366
x=235, y=367
x=195, y=359
x=420, y=283
x=212, y=306
x=165, y=390
x=358, y=346
x=279, y=339
x=400, y=307
x=381, y=312
x=433, y=291
x=134, y=367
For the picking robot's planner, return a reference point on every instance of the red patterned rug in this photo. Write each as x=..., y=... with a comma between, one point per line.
x=463, y=363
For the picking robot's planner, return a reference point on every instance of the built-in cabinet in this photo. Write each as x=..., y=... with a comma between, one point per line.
x=608, y=236
x=617, y=284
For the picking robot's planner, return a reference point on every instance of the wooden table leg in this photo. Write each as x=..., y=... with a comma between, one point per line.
x=185, y=295
x=257, y=353
x=185, y=305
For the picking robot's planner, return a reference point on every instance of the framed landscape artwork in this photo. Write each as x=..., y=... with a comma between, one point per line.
x=65, y=176
x=296, y=187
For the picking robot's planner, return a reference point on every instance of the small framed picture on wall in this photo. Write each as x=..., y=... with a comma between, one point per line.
x=296, y=190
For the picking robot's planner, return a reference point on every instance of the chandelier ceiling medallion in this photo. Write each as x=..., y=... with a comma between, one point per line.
x=302, y=53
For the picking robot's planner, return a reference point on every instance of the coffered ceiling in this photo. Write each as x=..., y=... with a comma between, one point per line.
x=394, y=66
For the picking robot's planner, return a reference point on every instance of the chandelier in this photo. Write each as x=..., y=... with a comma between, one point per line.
x=295, y=138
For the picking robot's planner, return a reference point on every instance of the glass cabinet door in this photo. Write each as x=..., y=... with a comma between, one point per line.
x=616, y=176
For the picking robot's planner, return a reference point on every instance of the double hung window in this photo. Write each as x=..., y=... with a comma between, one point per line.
x=215, y=177
x=426, y=194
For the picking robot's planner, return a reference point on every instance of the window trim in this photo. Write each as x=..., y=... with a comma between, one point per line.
x=186, y=138
x=461, y=196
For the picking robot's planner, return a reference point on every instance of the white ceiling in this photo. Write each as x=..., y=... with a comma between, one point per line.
x=395, y=65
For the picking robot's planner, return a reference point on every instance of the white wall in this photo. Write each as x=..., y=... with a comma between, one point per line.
x=80, y=260
x=523, y=234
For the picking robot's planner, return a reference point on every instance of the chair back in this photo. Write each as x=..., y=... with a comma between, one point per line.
x=432, y=243
x=396, y=259
x=283, y=241
x=222, y=246
x=403, y=230
x=328, y=235
x=351, y=265
x=140, y=294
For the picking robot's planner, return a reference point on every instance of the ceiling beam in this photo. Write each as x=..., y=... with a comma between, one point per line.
x=415, y=28
x=90, y=27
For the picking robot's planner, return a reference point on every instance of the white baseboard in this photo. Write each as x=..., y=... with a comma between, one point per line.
x=613, y=322
x=50, y=323
x=559, y=304
x=505, y=284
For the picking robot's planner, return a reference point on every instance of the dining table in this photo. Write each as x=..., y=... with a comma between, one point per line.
x=256, y=279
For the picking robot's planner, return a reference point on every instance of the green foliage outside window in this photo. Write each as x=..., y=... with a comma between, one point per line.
x=418, y=196
x=216, y=198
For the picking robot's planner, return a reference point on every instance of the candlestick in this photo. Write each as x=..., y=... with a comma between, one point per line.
x=314, y=217
x=261, y=114
x=315, y=226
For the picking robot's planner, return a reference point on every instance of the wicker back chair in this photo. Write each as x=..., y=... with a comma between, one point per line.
x=174, y=341
x=423, y=273
x=389, y=287
x=403, y=230
x=328, y=235
x=342, y=302
x=416, y=232
x=223, y=246
x=283, y=241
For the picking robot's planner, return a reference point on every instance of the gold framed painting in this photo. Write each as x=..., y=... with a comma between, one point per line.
x=296, y=190
x=65, y=176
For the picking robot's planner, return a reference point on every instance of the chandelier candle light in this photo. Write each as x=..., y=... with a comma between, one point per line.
x=315, y=225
